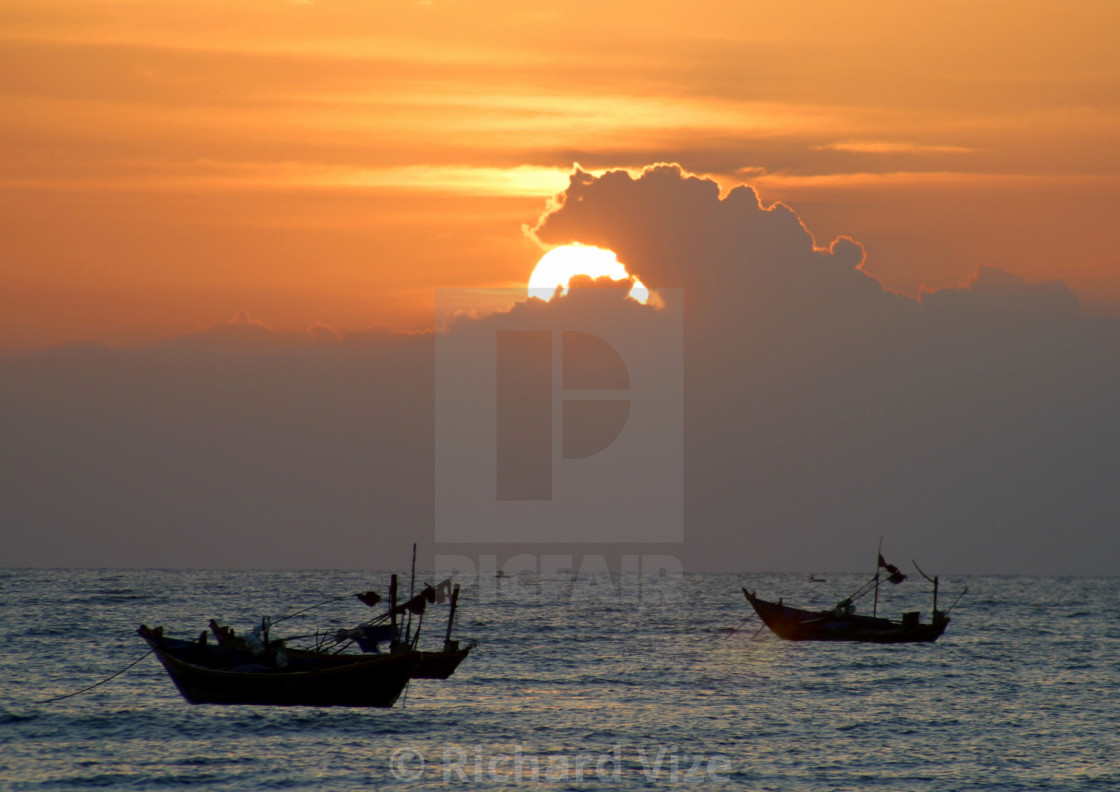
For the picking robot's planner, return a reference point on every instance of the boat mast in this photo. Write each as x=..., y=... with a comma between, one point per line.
x=393, y=612
x=934, y=580
x=451, y=616
x=411, y=593
x=416, y=637
x=875, y=608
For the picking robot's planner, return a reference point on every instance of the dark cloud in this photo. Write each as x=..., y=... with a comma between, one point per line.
x=996, y=293
x=974, y=427
x=236, y=447
x=242, y=332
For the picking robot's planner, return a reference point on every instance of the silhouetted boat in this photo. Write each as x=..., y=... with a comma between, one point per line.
x=841, y=623
x=441, y=665
x=229, y=674
x=340, y=668
x=395, y=628
x=432, y=664
x=795, y=624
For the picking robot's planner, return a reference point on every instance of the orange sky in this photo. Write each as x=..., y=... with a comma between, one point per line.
x=164, y=166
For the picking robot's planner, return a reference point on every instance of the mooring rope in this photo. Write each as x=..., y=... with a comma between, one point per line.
x=735, y=630
x=96, y=684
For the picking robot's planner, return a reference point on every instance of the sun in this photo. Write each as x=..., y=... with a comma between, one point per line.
x=558, y=265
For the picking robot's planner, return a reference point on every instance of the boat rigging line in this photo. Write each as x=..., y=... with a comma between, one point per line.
x=958, y=599
x=96, y=684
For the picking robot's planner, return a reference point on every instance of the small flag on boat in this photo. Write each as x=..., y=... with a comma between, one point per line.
x=443, y=592
x=417, y=604
x=895, y=575
x=369, y=598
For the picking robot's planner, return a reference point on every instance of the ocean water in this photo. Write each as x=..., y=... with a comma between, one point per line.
x=576, y=687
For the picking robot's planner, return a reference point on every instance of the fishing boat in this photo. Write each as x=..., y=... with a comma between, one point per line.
x=431, y=664
x=340, y=668
x=226, y=673
x=438, y=664
x=441, y=664
x=842, y=623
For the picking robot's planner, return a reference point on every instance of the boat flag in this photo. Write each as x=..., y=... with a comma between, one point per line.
x=443, y=592
x=895, y=575
x=369, y=598
x=417, y=604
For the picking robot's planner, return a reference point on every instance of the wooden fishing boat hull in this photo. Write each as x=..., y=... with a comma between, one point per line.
x=440, y=665
x=795, y=624
x=215, y=675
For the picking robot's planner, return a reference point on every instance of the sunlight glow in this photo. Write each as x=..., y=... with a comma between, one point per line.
x=558, y=265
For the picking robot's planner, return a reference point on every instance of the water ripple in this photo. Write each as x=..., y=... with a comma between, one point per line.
x=1021, y=693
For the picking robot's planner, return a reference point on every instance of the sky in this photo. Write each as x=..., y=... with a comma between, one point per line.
x=223, y=228
x=168, y=165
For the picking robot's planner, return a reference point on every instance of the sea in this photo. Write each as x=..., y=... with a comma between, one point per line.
x=610, y=684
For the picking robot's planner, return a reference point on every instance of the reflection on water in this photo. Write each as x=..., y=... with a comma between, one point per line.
x=1021, y=692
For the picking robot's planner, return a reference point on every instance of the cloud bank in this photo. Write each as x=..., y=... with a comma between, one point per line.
x=974, y=427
